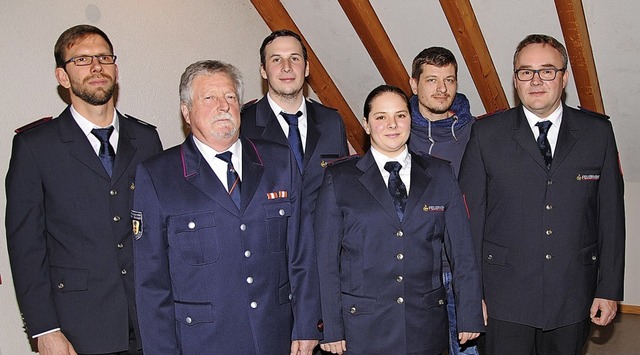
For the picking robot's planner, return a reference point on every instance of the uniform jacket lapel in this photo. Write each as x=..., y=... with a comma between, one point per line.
x=567, y=138
x=313, y=133
x=372, y=180
x=420, y=179
x=126, y=149
x=524, y=137
x=252, y=169
x=78, y=144
x=266, y=119
x=198, y=173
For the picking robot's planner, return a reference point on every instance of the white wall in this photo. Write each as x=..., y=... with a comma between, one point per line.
x=155, y=41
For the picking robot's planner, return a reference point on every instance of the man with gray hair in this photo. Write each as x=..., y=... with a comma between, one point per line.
x=221, y=268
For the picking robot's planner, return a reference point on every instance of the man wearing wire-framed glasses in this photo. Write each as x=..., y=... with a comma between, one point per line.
x=69, y=197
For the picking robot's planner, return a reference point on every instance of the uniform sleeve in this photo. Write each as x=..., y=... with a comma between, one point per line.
x=328, y=232
x=154, y=298
x=26, y=240
x=464, y=266
x=473, y=183
x=611, y=221
x=303, y=270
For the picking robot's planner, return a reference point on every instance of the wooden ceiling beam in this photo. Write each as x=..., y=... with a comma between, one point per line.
x=576, y=37
x=367, y=25
x=277, y=17
x=466, y=30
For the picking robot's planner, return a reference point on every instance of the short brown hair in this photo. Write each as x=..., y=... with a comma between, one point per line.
x=71, y=36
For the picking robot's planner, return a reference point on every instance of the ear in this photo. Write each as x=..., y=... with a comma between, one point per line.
x=306, y=69
x=185, y=113
x=263, y=73
x=414, y=85
x=63, y=78
x=365, y=124
x=565, y=78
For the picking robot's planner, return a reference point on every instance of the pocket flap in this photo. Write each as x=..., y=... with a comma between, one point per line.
x=192, y=221
x=358, y=305
x=494, y=254
x=69, y=279
x=590, y=254
x=194, y=313
x=435, y=298
x=277, y=210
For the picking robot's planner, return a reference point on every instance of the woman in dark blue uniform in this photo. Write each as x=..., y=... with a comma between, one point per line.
x=381, y=222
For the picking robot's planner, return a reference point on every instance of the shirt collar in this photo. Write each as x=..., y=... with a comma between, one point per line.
x=277, y=109
x=555, y=117
x=86, y=126
x=404, y=158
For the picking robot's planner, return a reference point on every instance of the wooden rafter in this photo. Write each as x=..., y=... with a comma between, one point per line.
x=576, y=37
x=375, y=39
x=466, y=30
x=277, y=17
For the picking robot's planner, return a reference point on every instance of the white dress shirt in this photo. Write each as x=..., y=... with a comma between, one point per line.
x=86, y=126
x=218, y=165
x=555, y=118
x=404, y=158
x=302, y=120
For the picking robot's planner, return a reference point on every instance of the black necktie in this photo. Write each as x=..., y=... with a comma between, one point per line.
x=543, y=142
x=295, y=142
x=233, y=180
x=396, y=187
x=106, y=153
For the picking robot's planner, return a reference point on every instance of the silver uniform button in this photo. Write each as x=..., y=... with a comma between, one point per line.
x=254, y=305
x=191, y=225
x=247, y=253
x=353, y=310
x=490, y=257
x=61, y=285
x=290, y=297
x=441, y=302
x=249, y=280
x=120, y=245
x=123, y=272
x=281, y=212
x=399, y=256
x=243, y=227
x=548, y=207
x=548, y=256
x=188, y=320
x=116, y=218
x=113, y=192
x=594, y=258
x=400, y=300
x=548, y=232
x=399, y=278
x=399, y=234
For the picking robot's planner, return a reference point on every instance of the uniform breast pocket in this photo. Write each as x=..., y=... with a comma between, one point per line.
x=194, y=237
x=277, y=216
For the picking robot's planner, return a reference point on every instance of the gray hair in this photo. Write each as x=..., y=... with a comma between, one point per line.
x=208, y=67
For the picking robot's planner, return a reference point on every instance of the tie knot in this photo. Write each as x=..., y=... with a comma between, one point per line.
x=291, y=118
x=103, y=134
x=226, y=156
x=544, y=126
x=392, y=166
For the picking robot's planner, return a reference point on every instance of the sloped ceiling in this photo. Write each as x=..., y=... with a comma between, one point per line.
x=412, y=25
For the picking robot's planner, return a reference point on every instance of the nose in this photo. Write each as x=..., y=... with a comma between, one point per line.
x=224, y=105
x=442, y=87
x=536, y=80
x=392, y=123
x=286, y=66
x=96, y=67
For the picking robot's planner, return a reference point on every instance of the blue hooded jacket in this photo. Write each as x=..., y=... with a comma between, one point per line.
x=446, y=138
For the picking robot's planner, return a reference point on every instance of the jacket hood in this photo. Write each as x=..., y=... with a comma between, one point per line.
x=445, y=128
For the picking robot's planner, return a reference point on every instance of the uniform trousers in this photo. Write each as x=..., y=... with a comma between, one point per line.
x=518, y=339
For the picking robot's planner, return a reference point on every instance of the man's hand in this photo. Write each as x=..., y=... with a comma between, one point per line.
x=607, y=310
x=303, y=347
x=55, y=343
x=337, y=347
x=463, y=337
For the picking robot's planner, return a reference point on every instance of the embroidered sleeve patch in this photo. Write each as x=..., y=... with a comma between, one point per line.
x=136, y=220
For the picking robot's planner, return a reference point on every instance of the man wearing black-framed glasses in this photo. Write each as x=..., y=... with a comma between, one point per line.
x=69, y=198
x=545, y=195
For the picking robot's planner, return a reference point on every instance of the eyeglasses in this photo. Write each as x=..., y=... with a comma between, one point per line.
x=84, y=60
x=546, y=74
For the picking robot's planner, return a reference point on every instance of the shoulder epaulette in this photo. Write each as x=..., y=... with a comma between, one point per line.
x=597, y=114
x=248, y=104
x=325, y=162
x=490, y=114
x=33, y=125
x=320, y=103
x=131, y=118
